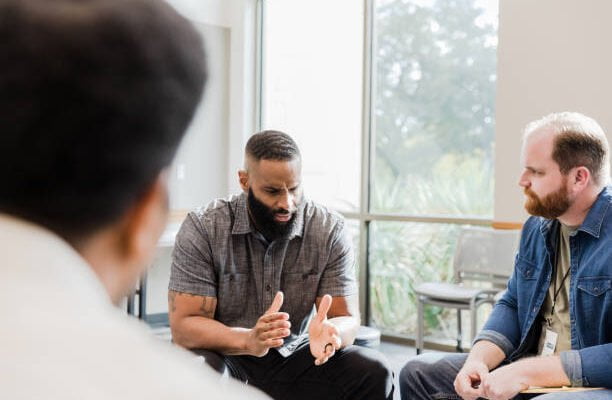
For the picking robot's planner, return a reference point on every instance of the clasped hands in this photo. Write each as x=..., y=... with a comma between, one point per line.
x=475, y=381
x=272, y=327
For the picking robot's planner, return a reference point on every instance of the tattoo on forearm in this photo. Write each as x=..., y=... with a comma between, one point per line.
x=171, y=305
x=208, y=307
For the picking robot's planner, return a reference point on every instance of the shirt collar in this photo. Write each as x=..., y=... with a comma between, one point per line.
x=594, y=219
x=298, y=226
x=242, y=223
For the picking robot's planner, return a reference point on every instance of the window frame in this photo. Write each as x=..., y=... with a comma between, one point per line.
x=364, y=217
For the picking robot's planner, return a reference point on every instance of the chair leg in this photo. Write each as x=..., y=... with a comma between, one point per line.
x=474, y=314
x=420, y=325
x=459, y=333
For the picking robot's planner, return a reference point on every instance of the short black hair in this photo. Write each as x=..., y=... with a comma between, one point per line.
x=95, y=96
x=272, y=145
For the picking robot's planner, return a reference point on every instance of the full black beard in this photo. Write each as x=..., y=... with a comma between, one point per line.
x=263, y=218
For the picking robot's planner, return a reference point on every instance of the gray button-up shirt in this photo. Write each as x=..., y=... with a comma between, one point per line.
x=218, y=254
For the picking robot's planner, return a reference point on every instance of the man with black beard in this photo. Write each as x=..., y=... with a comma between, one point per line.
x=553, y=326
x=247, y=273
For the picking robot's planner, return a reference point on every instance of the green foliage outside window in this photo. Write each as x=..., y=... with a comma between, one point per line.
x=434, y=104
x=434, y=116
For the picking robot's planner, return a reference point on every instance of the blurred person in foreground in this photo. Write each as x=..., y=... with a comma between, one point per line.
x=553, y=326
x=95, y=98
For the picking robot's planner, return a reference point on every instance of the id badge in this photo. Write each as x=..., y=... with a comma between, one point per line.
x=550, y=342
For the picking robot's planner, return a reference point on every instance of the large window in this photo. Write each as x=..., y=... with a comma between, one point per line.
x=433, y=108
x=312, y=89
x=427, y=168
x=432, y=154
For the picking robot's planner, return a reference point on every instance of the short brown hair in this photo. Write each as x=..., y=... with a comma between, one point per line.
x=579, y=141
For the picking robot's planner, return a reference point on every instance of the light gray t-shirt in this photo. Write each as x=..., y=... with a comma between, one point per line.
x=218, y=254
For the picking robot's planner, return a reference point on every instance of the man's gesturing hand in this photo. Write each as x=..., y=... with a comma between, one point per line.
x=270, y=329
x=324, y=336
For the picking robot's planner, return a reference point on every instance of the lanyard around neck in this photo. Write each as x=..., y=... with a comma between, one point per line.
x=556, y=290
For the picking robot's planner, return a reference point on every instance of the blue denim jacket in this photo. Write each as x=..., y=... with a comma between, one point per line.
x=514, y=321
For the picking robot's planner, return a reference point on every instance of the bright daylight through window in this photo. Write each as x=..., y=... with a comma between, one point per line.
x=432, y=97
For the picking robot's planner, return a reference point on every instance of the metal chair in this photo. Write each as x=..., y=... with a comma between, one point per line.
x=481, y=255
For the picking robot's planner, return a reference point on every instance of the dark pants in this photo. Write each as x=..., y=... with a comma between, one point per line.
x=352, y=373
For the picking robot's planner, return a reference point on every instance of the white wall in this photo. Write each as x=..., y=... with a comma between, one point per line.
x=195, y=177
x=211, y=153
x=553, y=55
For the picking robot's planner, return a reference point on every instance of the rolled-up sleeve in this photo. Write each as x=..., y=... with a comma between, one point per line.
x=594, y=365
x=572, y=366
x=192, y=268
x=497, y=339
x=339, y=278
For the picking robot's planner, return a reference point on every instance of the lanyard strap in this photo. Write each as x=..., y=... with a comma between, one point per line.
x=554, y=271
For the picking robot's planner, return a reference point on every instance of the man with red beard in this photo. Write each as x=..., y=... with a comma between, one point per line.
x=553, y=326
x=246, y=273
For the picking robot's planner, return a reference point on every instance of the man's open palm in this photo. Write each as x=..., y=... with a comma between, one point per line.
x=324, y=335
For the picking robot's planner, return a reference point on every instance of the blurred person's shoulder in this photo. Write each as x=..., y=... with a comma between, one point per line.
x=164, y=369
x=62, y=338
x=130, y=362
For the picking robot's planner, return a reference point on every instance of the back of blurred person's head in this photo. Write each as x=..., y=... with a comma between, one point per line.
x=95, y=98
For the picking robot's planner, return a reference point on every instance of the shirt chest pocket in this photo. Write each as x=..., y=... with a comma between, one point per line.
x=231, y=296
x=300, y=292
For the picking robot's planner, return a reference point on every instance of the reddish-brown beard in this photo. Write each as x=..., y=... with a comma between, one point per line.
x=551, y=206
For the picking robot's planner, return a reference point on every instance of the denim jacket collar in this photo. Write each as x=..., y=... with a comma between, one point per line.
x=594, y=219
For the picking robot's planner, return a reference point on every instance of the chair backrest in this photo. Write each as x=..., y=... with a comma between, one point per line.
x=485, y=254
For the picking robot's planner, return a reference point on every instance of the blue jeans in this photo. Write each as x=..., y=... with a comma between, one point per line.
x=431, y=376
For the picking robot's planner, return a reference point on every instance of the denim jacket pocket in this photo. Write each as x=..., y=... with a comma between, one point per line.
x=595, y=286
x=527, y=269
x=593, y=305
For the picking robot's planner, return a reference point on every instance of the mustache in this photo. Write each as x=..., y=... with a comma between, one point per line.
x=284, y=211
x=530, y=193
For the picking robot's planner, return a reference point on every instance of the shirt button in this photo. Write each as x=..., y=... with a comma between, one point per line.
x=268, y=287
